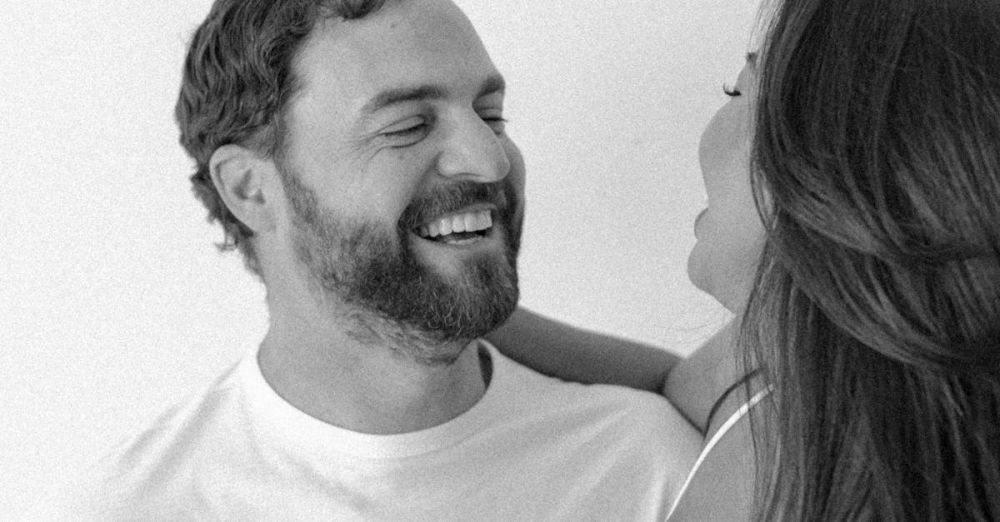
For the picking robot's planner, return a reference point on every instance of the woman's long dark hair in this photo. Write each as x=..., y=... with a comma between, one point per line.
x=876, y=309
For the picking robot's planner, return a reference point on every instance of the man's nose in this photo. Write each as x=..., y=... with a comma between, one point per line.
x=473, y=151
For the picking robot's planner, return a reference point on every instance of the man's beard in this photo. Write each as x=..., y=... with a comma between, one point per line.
x=391, y=297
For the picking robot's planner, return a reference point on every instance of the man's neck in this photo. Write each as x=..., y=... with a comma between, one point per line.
x=311, y=361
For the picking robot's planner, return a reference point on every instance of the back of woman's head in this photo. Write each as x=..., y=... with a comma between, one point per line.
x=877, y=305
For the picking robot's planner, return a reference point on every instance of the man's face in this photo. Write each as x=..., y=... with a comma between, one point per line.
x=404, y=190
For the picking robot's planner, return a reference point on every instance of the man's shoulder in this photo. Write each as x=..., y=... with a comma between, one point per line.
x=145, y=470
x=636, y=440
x=631, y=409
x=185, y=426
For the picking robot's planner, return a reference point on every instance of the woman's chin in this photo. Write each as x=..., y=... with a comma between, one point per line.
x=731, y=295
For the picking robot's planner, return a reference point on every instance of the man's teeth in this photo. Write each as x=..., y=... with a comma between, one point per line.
x=468, y=222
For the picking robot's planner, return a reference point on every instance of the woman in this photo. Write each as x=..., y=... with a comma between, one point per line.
x=868, y=201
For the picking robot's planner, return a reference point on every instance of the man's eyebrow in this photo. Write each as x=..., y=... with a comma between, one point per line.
x=493, y=83
x=402, y=94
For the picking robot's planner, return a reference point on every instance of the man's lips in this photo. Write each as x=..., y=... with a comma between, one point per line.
x=698, y=219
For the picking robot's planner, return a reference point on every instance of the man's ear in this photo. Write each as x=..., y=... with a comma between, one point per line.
x=241, y=176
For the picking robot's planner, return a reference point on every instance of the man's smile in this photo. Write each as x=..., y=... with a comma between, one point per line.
x=465, y=227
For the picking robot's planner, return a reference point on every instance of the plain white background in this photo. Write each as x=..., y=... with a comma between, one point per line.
x=114, y=303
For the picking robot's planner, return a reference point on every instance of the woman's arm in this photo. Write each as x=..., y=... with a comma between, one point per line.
x=574, y=354
x=692, y=384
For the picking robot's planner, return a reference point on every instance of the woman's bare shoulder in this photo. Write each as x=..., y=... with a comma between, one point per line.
x=722, y=488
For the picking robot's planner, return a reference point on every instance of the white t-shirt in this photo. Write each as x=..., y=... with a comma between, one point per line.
x=533, y=448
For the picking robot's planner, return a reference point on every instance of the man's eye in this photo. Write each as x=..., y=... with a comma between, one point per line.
x=407, y=131
x=732, y=92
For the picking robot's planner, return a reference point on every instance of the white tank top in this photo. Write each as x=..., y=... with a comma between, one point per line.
x=730, y=422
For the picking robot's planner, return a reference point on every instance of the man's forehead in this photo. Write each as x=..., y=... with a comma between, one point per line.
x=398, y=55
x=410, y=28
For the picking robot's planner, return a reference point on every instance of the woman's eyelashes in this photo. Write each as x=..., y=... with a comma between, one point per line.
x=497, y=123
x=732, y=92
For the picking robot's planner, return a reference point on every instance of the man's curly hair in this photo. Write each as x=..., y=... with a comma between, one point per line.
x=237, y=81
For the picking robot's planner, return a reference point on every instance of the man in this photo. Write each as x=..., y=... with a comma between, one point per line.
x=355, y=153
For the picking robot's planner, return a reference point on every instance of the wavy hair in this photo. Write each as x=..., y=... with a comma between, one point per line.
x=238, y=78
x=875, y=312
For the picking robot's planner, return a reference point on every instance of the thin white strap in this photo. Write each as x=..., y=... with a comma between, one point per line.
x=730, y=422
